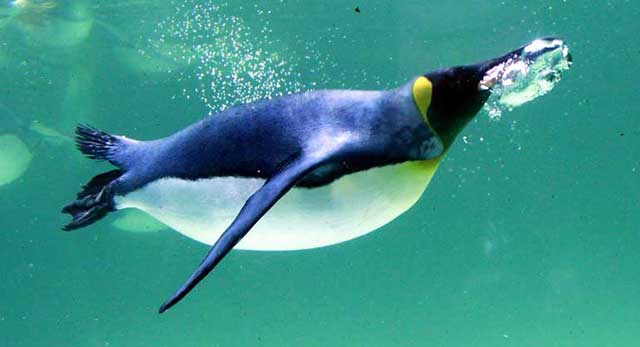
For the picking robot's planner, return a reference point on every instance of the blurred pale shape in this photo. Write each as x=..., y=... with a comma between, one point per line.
x=46, y=24
x=14, y=158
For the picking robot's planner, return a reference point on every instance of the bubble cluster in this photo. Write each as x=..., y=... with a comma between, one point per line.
x=228, y=62
x=525, y=76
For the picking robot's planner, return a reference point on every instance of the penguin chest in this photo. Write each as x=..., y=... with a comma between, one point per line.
x=304, y=218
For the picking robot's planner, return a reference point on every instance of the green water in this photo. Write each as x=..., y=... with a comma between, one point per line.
x=527, y=236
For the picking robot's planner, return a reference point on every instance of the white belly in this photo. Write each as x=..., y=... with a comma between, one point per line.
x=304, y=218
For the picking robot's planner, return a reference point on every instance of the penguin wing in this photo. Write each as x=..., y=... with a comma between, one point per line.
x=254, y=208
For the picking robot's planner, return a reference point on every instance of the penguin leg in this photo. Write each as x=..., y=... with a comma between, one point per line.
x=254, y=208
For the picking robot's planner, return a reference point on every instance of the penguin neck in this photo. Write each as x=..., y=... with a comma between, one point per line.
x=455, y=99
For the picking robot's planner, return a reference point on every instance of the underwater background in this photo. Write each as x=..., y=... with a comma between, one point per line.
x=527, y=235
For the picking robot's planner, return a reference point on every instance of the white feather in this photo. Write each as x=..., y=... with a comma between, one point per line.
x=304, y=218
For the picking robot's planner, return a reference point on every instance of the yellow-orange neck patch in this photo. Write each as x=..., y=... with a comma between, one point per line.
x=422, y=90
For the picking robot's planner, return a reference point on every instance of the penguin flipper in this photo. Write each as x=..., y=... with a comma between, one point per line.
x=254, y=208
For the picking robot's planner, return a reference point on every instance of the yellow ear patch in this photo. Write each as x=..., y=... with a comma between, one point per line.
x=422, y=90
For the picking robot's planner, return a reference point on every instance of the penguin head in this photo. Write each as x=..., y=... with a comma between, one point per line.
x=458, y=93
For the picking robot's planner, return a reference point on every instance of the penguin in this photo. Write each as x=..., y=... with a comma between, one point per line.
x=299, y=171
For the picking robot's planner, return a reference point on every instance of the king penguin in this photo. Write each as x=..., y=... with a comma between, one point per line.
x=296, y=172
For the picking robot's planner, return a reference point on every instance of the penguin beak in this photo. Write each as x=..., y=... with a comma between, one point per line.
x=536, y=50
x=545, y=48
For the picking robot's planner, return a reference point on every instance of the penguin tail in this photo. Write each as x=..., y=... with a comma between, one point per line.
x=95, y=200
x=100, y=145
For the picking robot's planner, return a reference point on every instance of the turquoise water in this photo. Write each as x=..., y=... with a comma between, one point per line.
x=526, y=236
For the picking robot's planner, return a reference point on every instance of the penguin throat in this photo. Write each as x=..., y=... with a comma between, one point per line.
x=456, y=101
